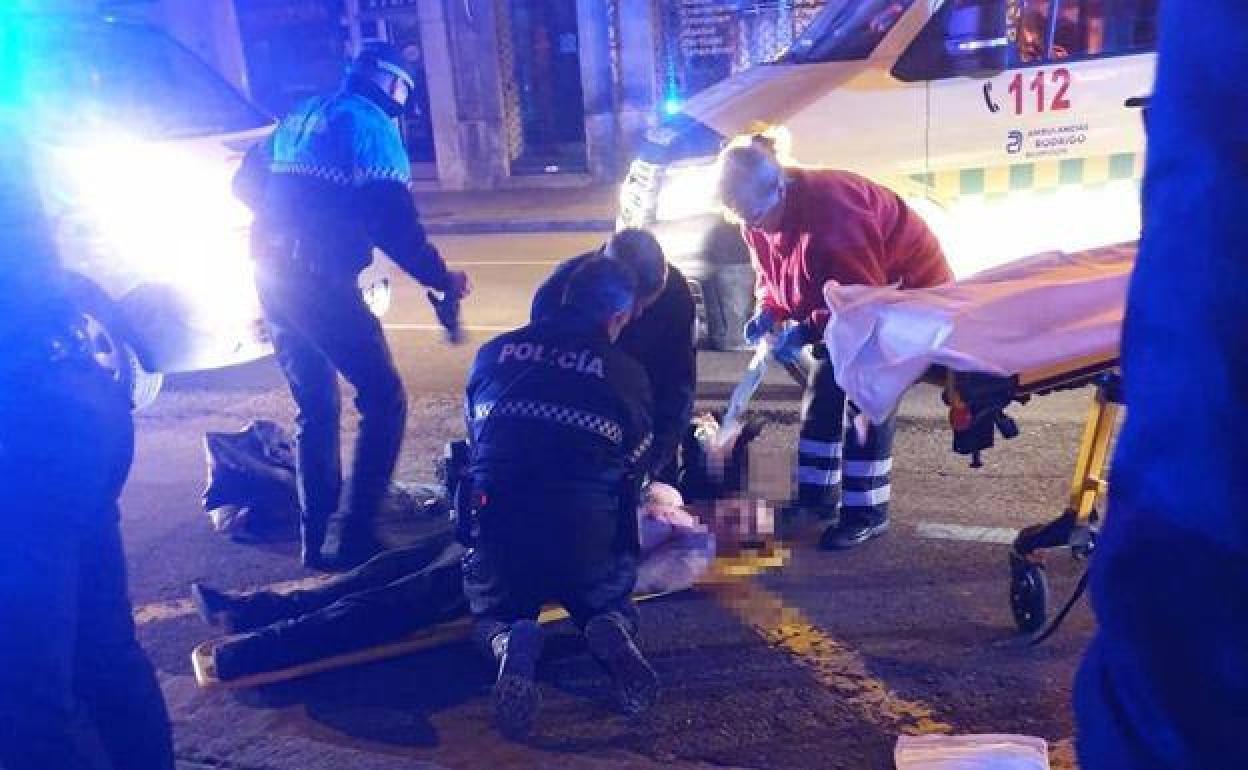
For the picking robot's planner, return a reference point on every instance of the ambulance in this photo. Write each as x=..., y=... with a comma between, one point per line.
x=135, y=142
x=1011, y=126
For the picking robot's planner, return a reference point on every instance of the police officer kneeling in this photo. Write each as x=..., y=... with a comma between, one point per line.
x=559, y=422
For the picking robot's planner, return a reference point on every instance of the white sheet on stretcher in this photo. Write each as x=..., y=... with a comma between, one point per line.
x=1036, y=312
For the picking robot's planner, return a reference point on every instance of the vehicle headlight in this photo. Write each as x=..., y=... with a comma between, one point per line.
x=687, y=191
x=165, y=216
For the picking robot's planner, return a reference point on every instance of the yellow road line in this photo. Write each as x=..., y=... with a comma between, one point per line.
x=833, y=664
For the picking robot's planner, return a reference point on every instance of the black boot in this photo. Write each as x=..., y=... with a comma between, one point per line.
x=636, y=683
x=253, y=653
x=216, y=608
x=516, y=696
x=797, y=519
x=851, y=534
x=354, y=544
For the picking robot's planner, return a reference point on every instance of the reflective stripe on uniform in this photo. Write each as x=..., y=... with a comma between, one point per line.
x=556, y=413
x=826, y=449
x=642, y=448
x=864, y=470
x=866, y=497
x=818, y=476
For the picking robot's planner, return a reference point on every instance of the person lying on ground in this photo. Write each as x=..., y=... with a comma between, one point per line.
x=404, y=590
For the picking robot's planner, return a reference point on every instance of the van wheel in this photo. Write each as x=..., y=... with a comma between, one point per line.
x=110, y=349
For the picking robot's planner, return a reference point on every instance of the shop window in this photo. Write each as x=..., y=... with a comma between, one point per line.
x=294, y=49
x=969, y=37
x=544, y=105
x=706, y=41
x=400, y=26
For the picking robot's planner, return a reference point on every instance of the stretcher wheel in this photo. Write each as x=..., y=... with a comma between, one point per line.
x=1029, y=596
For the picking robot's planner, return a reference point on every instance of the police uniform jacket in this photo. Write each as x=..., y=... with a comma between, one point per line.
x=332, y=182
x=559, y=422
x=661, y=340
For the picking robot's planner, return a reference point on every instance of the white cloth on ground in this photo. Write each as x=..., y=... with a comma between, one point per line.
x=971, y=752
x=1033, y=313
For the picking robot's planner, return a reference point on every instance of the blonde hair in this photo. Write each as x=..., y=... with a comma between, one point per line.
x=745, y=154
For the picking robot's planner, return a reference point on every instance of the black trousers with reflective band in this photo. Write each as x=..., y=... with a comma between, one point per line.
x=835, y=465
x=321, y=327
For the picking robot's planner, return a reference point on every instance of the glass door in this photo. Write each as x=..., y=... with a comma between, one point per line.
x=402, y=29
x=541, y=68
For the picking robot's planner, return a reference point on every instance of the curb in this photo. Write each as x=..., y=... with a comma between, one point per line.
x=718, y=390
x=520, y=226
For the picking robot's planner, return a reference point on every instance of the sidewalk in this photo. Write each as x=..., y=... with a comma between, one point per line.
x=546, y=210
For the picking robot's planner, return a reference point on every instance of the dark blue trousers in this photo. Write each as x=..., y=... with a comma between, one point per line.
x=67, y=638
x=321, y=327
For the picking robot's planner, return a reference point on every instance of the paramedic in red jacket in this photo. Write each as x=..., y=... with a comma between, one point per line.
x=806, y=227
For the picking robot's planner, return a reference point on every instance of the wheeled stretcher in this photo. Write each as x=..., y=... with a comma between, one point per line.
x=977, y=411
x=1041, y=325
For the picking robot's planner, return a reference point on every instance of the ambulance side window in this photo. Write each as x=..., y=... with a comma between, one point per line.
x=1045, y=31
x=980, y=37
x=965, y=37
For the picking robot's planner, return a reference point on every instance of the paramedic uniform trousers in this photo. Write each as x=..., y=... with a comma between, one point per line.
x=863, y=479
x=393, y=594
x=321, y=327
x=67, y=638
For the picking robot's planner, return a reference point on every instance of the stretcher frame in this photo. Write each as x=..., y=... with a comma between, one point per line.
x=745, y=564
x=1076, y=527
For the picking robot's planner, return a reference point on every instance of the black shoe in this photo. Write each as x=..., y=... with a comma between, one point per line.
x=214, y=607
x=844, y=536
x=516, y=696
x=797, y=518
x=636, y=683
x=351, y=553
x=246, y=655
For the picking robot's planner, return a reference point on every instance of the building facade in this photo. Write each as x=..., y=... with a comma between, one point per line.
x=510, y=93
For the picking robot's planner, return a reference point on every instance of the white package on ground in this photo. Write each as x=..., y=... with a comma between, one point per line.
x=1033, y=313
x=971, y=752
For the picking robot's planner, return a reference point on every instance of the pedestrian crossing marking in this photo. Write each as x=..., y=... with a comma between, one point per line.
x=933, y=530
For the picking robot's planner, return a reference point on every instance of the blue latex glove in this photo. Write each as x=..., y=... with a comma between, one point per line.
x=789, y=342
x=759, y=326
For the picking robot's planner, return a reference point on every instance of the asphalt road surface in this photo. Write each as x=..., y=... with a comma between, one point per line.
x=819, y=665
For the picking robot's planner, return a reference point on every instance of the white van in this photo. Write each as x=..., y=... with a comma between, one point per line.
x=136, y=142
x=1012, y=126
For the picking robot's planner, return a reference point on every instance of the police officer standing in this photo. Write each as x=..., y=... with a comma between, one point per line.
x=67, y=639
x=329, y=185
x=559, y=421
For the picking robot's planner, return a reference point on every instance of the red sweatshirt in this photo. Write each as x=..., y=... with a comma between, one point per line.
x=841, y=227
